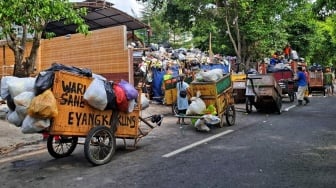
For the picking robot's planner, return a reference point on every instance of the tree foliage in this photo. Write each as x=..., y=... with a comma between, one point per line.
x=31, y=17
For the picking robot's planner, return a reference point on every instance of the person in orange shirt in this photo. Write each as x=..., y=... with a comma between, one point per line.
x=287, y=51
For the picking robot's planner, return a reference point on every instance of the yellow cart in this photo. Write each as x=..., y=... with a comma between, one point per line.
x=77, y=119
x=170, y=92
x=220, y=95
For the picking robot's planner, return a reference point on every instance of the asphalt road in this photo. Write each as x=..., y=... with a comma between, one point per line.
x=294, y=149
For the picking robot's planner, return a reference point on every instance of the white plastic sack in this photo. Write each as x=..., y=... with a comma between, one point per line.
x=200, y=125
x=19, y=85
x=95, y=94
x=144, y=101
x=97, y=76
x=21, y=111
x=14, y=118
x=4, y=110
x=4, y=85
x=212, y=75
x=24, y=98
x=34, y=125
x=196, y=107
x=211, y=119
x=131, y=105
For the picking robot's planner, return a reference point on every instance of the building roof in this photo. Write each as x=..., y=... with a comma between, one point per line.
x=100, y=14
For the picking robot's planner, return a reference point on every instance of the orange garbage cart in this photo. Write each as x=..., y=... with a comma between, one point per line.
x=78, y=119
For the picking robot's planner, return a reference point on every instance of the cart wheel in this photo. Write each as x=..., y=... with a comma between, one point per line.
x=99, y=146
x=248, y=105
x=230, y=115
x=61, y=146
x=278, y=105
x=174, y=108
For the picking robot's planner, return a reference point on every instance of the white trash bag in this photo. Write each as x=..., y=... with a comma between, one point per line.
x=96, y=95
x=197, y=105
x=34, y=125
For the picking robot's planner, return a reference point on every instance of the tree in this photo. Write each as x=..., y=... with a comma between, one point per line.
x=18, y=18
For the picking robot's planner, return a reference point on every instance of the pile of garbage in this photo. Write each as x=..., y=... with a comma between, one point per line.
x=32, y=103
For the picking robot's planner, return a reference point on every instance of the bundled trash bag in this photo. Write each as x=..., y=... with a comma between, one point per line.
x=10, y=103
x=111, y=97
x=197, y=105
x=43, y=106
x=122, y=102
x=34, y=125
x=144, y=101
x=79, y=71
x=200, y=125
x=19, y=85
x=95, y=94
x=212, y=75
x=45, y=79
x=4, y=85
x=14, y=118
x=22, y=102
x=130, y=91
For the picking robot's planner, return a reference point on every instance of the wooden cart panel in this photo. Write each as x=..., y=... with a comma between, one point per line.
x=211, y=88
x=266, y=86
x=316, y=79
x=76, y=117
x=221, y=101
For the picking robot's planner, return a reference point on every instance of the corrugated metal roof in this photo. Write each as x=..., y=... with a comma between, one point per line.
x=100, y=15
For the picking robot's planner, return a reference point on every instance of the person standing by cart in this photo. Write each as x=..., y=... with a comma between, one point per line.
x=302, y=86
x=182, y=89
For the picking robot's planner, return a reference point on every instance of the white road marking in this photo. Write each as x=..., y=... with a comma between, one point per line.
x=22, y=155
x=197, y=143
x=288, y=108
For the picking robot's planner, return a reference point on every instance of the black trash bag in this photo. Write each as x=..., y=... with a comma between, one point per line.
x=72, y=69
x=111, y=97
x=44, y=81
x=10, y=103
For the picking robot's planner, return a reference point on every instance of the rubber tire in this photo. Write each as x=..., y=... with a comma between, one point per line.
x=248, y=105
x=93, y=140
x=230, y=115
x=63, y=148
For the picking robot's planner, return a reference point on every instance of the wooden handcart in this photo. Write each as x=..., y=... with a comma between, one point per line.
x=316, y=82
x=220, y=95
x=239, y=87
x=263, y=92
x=285, y=79
x=77, y=119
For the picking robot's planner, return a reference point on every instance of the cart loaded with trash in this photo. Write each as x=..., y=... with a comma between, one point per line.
x=263, y=92
x=285, y=78
x=69, y=103
x=212, y=102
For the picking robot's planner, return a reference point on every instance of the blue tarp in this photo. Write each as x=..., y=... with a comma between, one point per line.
x=157, y=83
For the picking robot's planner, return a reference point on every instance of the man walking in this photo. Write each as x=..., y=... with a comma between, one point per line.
x=302, y=86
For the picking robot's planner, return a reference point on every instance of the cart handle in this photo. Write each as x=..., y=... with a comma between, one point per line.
x=251, y=80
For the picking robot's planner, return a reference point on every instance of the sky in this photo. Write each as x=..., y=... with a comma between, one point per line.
x=124, y=5
x=127, y=6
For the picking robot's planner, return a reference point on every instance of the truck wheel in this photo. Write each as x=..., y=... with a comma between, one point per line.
x=100, y=145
